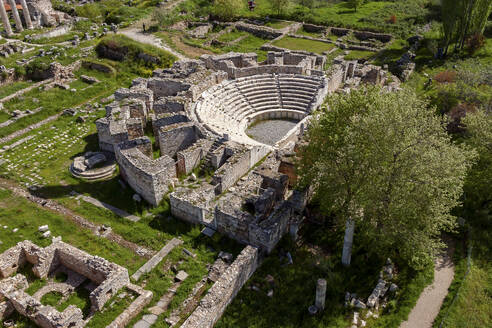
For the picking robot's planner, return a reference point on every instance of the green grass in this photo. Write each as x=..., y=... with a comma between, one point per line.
x=52, y=298
x=303, y=44
x=231, y=36
x=11, y=88
x=28, y=217
x=359, y=54
x=79, y=298
x=295, y=286
x=278, y=24
x=249, y=44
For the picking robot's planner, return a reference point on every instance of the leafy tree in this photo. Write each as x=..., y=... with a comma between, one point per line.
x=279, y=6
x=227, y=10
x=385, y=162
x=355, y=4
x=462, y=18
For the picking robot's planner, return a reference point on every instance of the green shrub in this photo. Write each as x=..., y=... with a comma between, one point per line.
x=141, y=58
x=36, y=69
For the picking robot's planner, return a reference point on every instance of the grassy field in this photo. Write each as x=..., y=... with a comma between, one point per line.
x=359, y=54
x=303, y=44
x=28, y=217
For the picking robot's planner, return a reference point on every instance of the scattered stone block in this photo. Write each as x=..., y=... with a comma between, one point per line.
x=43, y=228
x=181, y=276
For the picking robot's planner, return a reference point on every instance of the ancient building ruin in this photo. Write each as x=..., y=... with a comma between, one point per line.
x=106, y=277
x=34, y=13
x=198, y=112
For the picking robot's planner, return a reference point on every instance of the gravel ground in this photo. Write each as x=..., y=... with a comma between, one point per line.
x=271, y=131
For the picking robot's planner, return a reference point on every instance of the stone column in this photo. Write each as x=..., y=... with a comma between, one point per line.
x=27, y=15
x=5, y=19
x=347, y=242
x=320, y=294
x=15, y=13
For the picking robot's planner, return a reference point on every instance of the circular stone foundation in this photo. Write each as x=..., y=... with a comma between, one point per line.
x=270, y=131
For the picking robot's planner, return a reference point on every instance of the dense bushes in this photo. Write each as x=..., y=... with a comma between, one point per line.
x=140, y=58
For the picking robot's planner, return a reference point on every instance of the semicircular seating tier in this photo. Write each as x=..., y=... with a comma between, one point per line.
x=231, y=106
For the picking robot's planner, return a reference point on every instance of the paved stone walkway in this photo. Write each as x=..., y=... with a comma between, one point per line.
x=430, y=301
x=157, y=258
x=112, y=208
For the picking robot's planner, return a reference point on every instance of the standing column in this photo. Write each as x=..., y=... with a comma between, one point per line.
x=347, y=242
x=27, y=15
x=320, y=294
x=18, y=22
x=5, y=19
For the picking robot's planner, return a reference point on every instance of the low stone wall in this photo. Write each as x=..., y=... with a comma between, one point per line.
x=221, y=294
x=134, y=309
x=263, y=32
x=148, y=177
x=195, y=211
x=108, y=277
x=177, y=137
x=235, y=167
x=191, y=157
x=277, y=225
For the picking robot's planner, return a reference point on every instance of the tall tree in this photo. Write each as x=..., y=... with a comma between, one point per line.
x=385, y=163
x=227, y=10
x=461, y=18
x=279, y=6
x=355, y=4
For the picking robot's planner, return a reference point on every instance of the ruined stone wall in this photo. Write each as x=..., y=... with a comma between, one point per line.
x=177, y=137
x=108, y=288
x=235, y=167
x=234, y=225
x=193, y=206
x=135, y=128
x=134, y=309
x=110, y=133
x=263, y=32
x=109, y=277
x=213, y=305
x=166, y=87
x=149, y=178
x=267, y=233
x=190, y=158
x=136, y=92
x=336, y=77
x=167, y=119
x=170, y=105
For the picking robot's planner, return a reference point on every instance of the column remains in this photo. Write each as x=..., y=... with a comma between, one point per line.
x=347, y=242
x=27, y=15
x=15, y=13
x=320, y=294
x=5, y=19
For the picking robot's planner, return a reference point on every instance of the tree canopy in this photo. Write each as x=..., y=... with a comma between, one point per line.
x=227, y=10
x=386, y=161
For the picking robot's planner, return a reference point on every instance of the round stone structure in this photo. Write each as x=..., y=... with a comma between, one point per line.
x=230, y=107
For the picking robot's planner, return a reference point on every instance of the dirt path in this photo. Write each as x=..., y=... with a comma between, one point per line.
x=430, y=301
x=137, y=35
